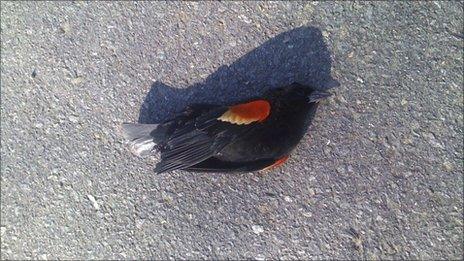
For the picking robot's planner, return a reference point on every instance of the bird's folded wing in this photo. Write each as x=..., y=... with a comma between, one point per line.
x=205, y=135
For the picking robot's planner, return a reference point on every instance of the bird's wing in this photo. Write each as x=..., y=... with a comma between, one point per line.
x=206, y=134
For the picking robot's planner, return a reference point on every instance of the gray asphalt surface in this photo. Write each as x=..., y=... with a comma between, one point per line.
x=379, y=174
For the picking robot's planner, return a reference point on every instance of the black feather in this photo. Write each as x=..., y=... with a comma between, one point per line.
x=217, y=165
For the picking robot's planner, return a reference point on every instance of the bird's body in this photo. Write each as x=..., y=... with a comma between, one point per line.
x=251, y=135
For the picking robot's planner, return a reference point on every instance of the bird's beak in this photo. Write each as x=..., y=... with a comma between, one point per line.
x=317, y=96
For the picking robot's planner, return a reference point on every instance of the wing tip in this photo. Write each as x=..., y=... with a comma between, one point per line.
x=162, y=167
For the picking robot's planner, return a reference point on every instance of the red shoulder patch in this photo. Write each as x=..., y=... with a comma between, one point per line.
x=277, y=163
x=247, y=113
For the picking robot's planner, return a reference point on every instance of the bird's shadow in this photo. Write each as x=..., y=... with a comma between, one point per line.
x=299, y=55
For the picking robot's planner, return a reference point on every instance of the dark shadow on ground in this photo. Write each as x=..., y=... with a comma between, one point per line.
x=299, y=55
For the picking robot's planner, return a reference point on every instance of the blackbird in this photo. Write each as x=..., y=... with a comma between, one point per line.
x=255, y=134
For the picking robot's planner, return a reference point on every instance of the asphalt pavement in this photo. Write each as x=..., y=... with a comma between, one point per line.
x=378, y=175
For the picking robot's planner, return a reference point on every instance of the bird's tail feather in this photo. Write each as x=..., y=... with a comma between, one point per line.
x=141, y=137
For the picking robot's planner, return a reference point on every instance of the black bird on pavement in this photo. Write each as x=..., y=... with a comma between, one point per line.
x=252, y=135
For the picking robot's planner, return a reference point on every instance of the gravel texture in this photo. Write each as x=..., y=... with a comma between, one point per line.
x=379, y=174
